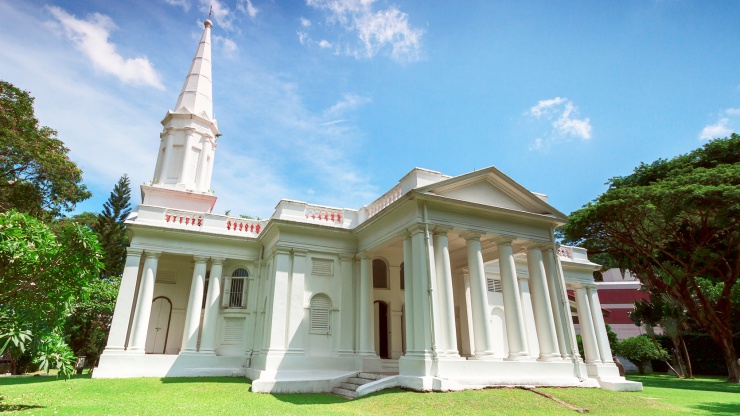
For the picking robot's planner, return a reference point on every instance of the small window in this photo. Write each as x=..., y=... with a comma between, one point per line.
x=320, y=314
x=494, y=285
x=380, y=274
x=234, y=291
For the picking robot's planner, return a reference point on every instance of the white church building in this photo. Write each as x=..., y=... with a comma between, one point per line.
x=442, y=283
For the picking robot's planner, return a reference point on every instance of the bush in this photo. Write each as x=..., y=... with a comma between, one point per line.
x=640, y=350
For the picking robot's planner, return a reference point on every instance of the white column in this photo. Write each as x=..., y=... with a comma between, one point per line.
x=168, y=151
x=367, y=328
x=445, y=293
x=137, y=342
x=482, y=333
x=187, y=155
x=512, y=303
x=422, y=312
x=202, y=170
x=121, y=315
x=192, y=316
x=210, y=315
x=277, y=323
x=347, y=305
x=556, y=301
x=296, y=307
x=588, y=334
x=544, y=322
x=600, y=328
x=408, y=285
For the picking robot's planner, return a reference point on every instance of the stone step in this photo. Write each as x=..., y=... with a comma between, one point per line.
x=350, y=386
x=370, y=376
x=359, y=381
x=350, y=394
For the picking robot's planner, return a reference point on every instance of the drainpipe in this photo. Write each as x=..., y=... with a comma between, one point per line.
x=430, y=292
x=566, y=307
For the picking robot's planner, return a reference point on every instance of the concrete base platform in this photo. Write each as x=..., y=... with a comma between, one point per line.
x=128, y=365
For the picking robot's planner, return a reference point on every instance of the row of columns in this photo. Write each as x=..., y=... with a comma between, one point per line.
x=593, y=330
x=432, y=298
x=143, y=308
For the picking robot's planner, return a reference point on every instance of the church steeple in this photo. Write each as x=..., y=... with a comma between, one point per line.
x=182, y=176
x=197, y=91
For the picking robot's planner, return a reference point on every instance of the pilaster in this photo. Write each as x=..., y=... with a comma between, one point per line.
x=210, y=315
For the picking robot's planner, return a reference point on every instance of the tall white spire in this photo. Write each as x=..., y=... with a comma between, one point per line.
x=182, y=176
x=197, y=91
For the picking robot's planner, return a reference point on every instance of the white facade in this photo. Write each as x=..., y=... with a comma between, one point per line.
x=443, y=283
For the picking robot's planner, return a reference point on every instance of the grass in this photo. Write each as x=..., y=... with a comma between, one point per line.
x=663, y=395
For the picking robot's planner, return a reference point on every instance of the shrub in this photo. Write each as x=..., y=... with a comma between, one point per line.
x=640, y=350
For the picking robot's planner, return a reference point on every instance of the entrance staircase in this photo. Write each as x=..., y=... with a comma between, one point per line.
x=348, y=389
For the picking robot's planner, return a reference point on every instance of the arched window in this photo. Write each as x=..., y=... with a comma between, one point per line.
x=380, y=274
x=235, y=289
x=320, y=314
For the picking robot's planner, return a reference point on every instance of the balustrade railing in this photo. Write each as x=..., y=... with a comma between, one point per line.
x=314, y=212
x=183, y=217
x=243, y=225
x=385, y=200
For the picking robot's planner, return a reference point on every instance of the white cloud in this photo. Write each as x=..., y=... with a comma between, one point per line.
x=350, y=102
x=227, y=46
x=718, y=129
x=185, y=4
x=564, y=121
x=324, y=44
x=376, y=30
x=246, y=6
x=727, y=123
x=91, y=38
x=305, y=22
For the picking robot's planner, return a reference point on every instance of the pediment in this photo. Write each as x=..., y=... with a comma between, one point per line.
x=491, y=187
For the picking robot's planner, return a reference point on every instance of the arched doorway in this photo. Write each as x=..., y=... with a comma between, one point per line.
x=382, y=329
x=159, y=325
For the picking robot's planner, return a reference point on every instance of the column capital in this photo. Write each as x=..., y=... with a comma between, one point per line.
x=442, y=229
x=130, y=251
x=151, y=254
x=300, y=252
x=217, y=260
x=472, y=235
x=504, y=240
x=281, y=250
x=415, y=229
x=200, y=259
x=346, y=257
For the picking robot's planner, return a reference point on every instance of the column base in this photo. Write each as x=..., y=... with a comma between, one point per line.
x=519, y=356
x=485, y=356
x=188, y=352
x=136, y=351
x=550, y=357
x=207, y=352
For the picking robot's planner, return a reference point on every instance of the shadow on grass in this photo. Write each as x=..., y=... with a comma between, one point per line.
x=13, y=380
x=717, y=384
x=17, y=407
x=309, y=398
x=720, y=408
x=184, y=380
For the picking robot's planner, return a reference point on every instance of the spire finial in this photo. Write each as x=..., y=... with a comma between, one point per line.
x=209, y=12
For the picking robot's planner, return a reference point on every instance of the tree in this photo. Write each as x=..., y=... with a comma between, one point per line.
x=676, y=224
x=43, y=274
x=664, y=312
x=640, y=350
x=36, y=175
x=110, y=229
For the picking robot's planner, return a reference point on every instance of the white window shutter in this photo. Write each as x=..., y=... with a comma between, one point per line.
x=227, y=292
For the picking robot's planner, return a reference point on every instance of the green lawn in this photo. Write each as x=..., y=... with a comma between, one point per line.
x=221, y=395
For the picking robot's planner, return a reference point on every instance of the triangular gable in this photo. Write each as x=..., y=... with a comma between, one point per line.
x=491, y=187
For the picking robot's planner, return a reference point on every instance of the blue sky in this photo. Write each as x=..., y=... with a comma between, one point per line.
x=331, y=102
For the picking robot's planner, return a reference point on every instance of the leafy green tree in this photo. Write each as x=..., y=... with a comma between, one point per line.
x=43, y=274
x=640, y=350
x=36, y=175
x=86, y=329
x=676, y=224
x=110, y=228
